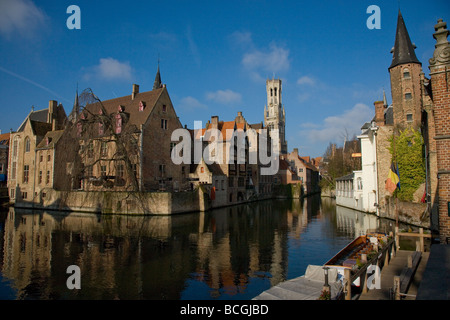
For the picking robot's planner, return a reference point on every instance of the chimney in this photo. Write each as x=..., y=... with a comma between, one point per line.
x=214, y=122
x=135, y=91
x=51, y=111
x=379, y=113
x=296, y=151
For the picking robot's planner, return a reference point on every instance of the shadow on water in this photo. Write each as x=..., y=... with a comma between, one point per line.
x=228, y=253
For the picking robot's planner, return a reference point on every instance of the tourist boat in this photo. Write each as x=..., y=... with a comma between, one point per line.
x=350, y=257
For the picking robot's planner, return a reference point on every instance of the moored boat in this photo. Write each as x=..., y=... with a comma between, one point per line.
x=351, y=256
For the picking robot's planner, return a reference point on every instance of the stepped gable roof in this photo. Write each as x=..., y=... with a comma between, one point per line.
x=130, y=106
x=403, y=51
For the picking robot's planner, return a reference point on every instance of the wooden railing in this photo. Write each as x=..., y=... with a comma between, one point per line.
x=382, y=257
x=402, y=282
x=420, y=244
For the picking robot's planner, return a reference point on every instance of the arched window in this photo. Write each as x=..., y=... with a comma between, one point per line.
x=27, y=144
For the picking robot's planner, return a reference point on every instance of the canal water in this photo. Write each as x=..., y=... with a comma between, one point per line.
x=229, y=253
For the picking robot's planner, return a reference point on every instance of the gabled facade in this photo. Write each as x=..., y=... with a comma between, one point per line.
x=23, y=175
x=125, y=143
x=306, y=173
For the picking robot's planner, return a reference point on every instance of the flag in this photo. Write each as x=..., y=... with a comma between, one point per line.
x=393, y=180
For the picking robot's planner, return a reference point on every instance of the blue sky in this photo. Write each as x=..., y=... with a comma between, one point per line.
x=214, y=57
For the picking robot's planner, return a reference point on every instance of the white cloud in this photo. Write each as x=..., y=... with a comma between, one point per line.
x=193, y=46
x=20, y=16
x=260, y=62
x=241, y=38
x=190, y=103
x=335, y=127
x=276, y=59
x=110, y=69
x=224, y=96
x=305, y=80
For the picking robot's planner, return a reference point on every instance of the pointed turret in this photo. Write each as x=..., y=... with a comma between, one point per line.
x=403, y=51
x=385, y=104
x=73, y=116
x=157, y=84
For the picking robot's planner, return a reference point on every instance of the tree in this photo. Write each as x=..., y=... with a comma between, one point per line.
x=102, y=142
x=407, y=151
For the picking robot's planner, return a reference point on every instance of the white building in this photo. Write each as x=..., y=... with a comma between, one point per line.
x=358, y=190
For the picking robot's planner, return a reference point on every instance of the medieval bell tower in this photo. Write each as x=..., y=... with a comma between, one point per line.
x=274, y=115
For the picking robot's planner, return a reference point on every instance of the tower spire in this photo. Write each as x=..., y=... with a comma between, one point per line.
x=385, y=104
x=157, y=83
x=403, y=51
x=73, y=116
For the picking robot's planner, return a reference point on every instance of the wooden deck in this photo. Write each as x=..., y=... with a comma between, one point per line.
x=395, y=268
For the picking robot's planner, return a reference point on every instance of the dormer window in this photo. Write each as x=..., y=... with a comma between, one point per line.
x=118, y=123
x=141, y=106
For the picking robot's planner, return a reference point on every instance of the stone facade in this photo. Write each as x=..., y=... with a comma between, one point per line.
x=274, y=113
x=23, y=176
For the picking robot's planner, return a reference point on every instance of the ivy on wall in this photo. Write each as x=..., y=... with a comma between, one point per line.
x=407, y=150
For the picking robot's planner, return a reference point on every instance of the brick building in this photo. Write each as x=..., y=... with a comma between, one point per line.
x=421, y=104
x=125, y=143
x=436, y=122
x=305, y=172
x=241, y=176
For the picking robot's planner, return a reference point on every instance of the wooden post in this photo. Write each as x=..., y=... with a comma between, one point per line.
x=348, y=276
x=364, y=258
x=410, y=262
x=422, y=245
x=386, y=258
x=397, y=238
x=363, y=281
x=396, y=288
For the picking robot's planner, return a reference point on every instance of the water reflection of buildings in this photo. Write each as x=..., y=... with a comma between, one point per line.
x=142, y=257
x=358, y=222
